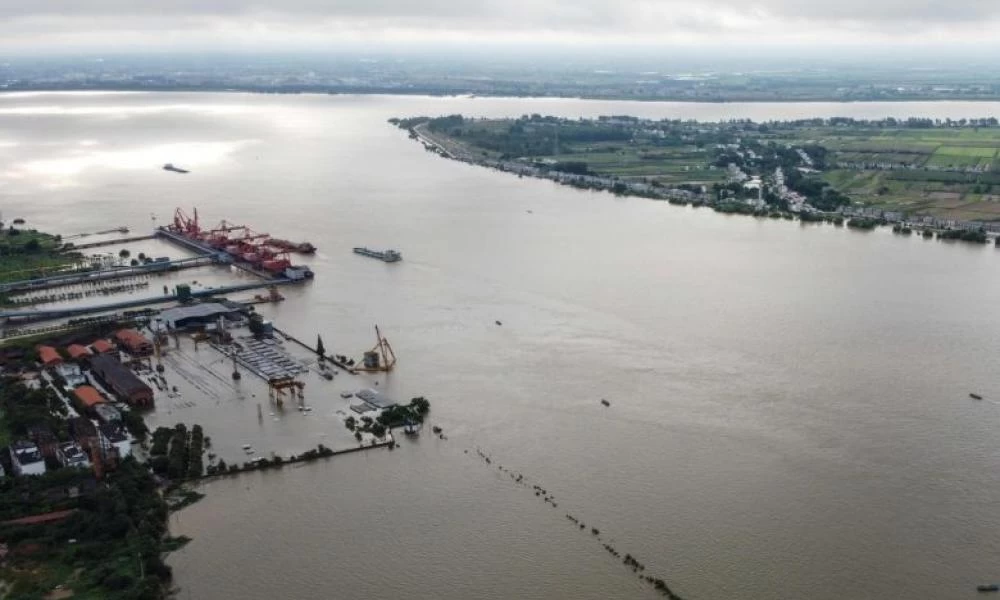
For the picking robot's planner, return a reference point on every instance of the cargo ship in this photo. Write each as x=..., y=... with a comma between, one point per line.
x=300, y=247
x=385, y=256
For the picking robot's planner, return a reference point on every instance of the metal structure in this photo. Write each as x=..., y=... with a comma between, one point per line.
x=380, y=358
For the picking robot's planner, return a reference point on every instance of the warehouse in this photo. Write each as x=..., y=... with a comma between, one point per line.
x=123, y=382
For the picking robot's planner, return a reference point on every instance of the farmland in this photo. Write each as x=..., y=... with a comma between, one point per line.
x=945, y=169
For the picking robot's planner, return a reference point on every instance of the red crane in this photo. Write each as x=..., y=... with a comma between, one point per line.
x=185, y=225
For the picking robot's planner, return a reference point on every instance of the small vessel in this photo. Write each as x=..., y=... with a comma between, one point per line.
x=247, y=447
x=171, y=167
x=605, y=402
x=385, y=256
x=346, y=395
x=975, y=396
x=988, y=587
x=499, y=323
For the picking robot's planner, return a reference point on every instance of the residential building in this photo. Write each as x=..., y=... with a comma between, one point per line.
x=26, y=458
x=115, y=436
x=71, y=374
x=77, y=352
x=84, y=432
x=106, y=413
x=49, y=356
x=72, y=455
x=44, y=439
x=121, y=380
x=102, y=347
x=88, y=398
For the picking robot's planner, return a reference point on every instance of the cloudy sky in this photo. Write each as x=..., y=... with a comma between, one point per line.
x=103, y=25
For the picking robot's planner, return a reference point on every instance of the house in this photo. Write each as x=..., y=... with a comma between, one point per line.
x=44, y=439
x=84, y=432
x=71, y=374
x=87, y=398
x=115, y=436
x=72, y=455
x=77, y=352
x=107, y=413
x=122, y=381
x=134, y=342
x=26, y=458
x=49, y=356
x=102, y=347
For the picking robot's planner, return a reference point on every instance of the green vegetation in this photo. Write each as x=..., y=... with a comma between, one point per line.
x=111, y=547
x=22, y=407
x=176, y=453
x=398, y=415
x=28, y=253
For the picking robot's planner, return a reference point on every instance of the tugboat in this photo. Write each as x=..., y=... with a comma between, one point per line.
x=385, y=256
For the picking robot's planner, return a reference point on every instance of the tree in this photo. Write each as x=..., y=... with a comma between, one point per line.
x=32, y=247
x=124, y=253
x=320, y=350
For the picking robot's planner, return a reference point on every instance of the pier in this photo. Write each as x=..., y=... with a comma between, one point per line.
x=128, y=240
x=57, y=313
x=52, y=281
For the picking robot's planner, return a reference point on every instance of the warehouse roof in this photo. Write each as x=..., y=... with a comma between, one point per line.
x=102, y=346
x=48, y=355
x=208, y=310
x=117, y=375
x=77, y=351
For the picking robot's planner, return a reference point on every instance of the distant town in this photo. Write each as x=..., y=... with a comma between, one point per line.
x=913, y=173
x=442, y=73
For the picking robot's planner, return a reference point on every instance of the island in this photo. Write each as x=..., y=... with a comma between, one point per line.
x=937, y=175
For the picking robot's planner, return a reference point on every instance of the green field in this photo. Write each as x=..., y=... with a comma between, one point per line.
x=25, y=254
x=939, y=169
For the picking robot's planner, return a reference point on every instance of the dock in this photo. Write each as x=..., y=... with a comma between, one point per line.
x=128, y=240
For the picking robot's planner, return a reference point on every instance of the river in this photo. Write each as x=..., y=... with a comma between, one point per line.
x=789, y=403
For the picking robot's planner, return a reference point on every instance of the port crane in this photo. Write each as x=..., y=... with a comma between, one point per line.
x=380, y=358
x=186, y=225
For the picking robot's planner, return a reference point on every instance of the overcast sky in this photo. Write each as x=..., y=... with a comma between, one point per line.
x=106, y=25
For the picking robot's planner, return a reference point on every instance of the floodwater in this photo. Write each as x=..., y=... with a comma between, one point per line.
x=789, y=412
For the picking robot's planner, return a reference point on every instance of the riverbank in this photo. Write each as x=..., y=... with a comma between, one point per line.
x=791, y=191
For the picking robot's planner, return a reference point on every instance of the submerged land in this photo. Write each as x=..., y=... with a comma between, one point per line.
x=940, y=174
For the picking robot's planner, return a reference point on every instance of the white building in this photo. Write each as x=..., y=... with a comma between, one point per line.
x=71, y=374
x=26, y=458
x=113, y=435
x=72, y=455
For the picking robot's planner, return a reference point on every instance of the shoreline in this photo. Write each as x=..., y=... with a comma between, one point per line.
x=859, y=218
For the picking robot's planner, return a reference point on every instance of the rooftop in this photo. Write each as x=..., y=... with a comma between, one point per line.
x=114, y=432
x=208, y=310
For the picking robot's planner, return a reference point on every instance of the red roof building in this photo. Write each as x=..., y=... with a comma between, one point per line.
x=49, y=356
x=134, y=342
x=88, y=396
x=102, y=346
x=77, y=352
